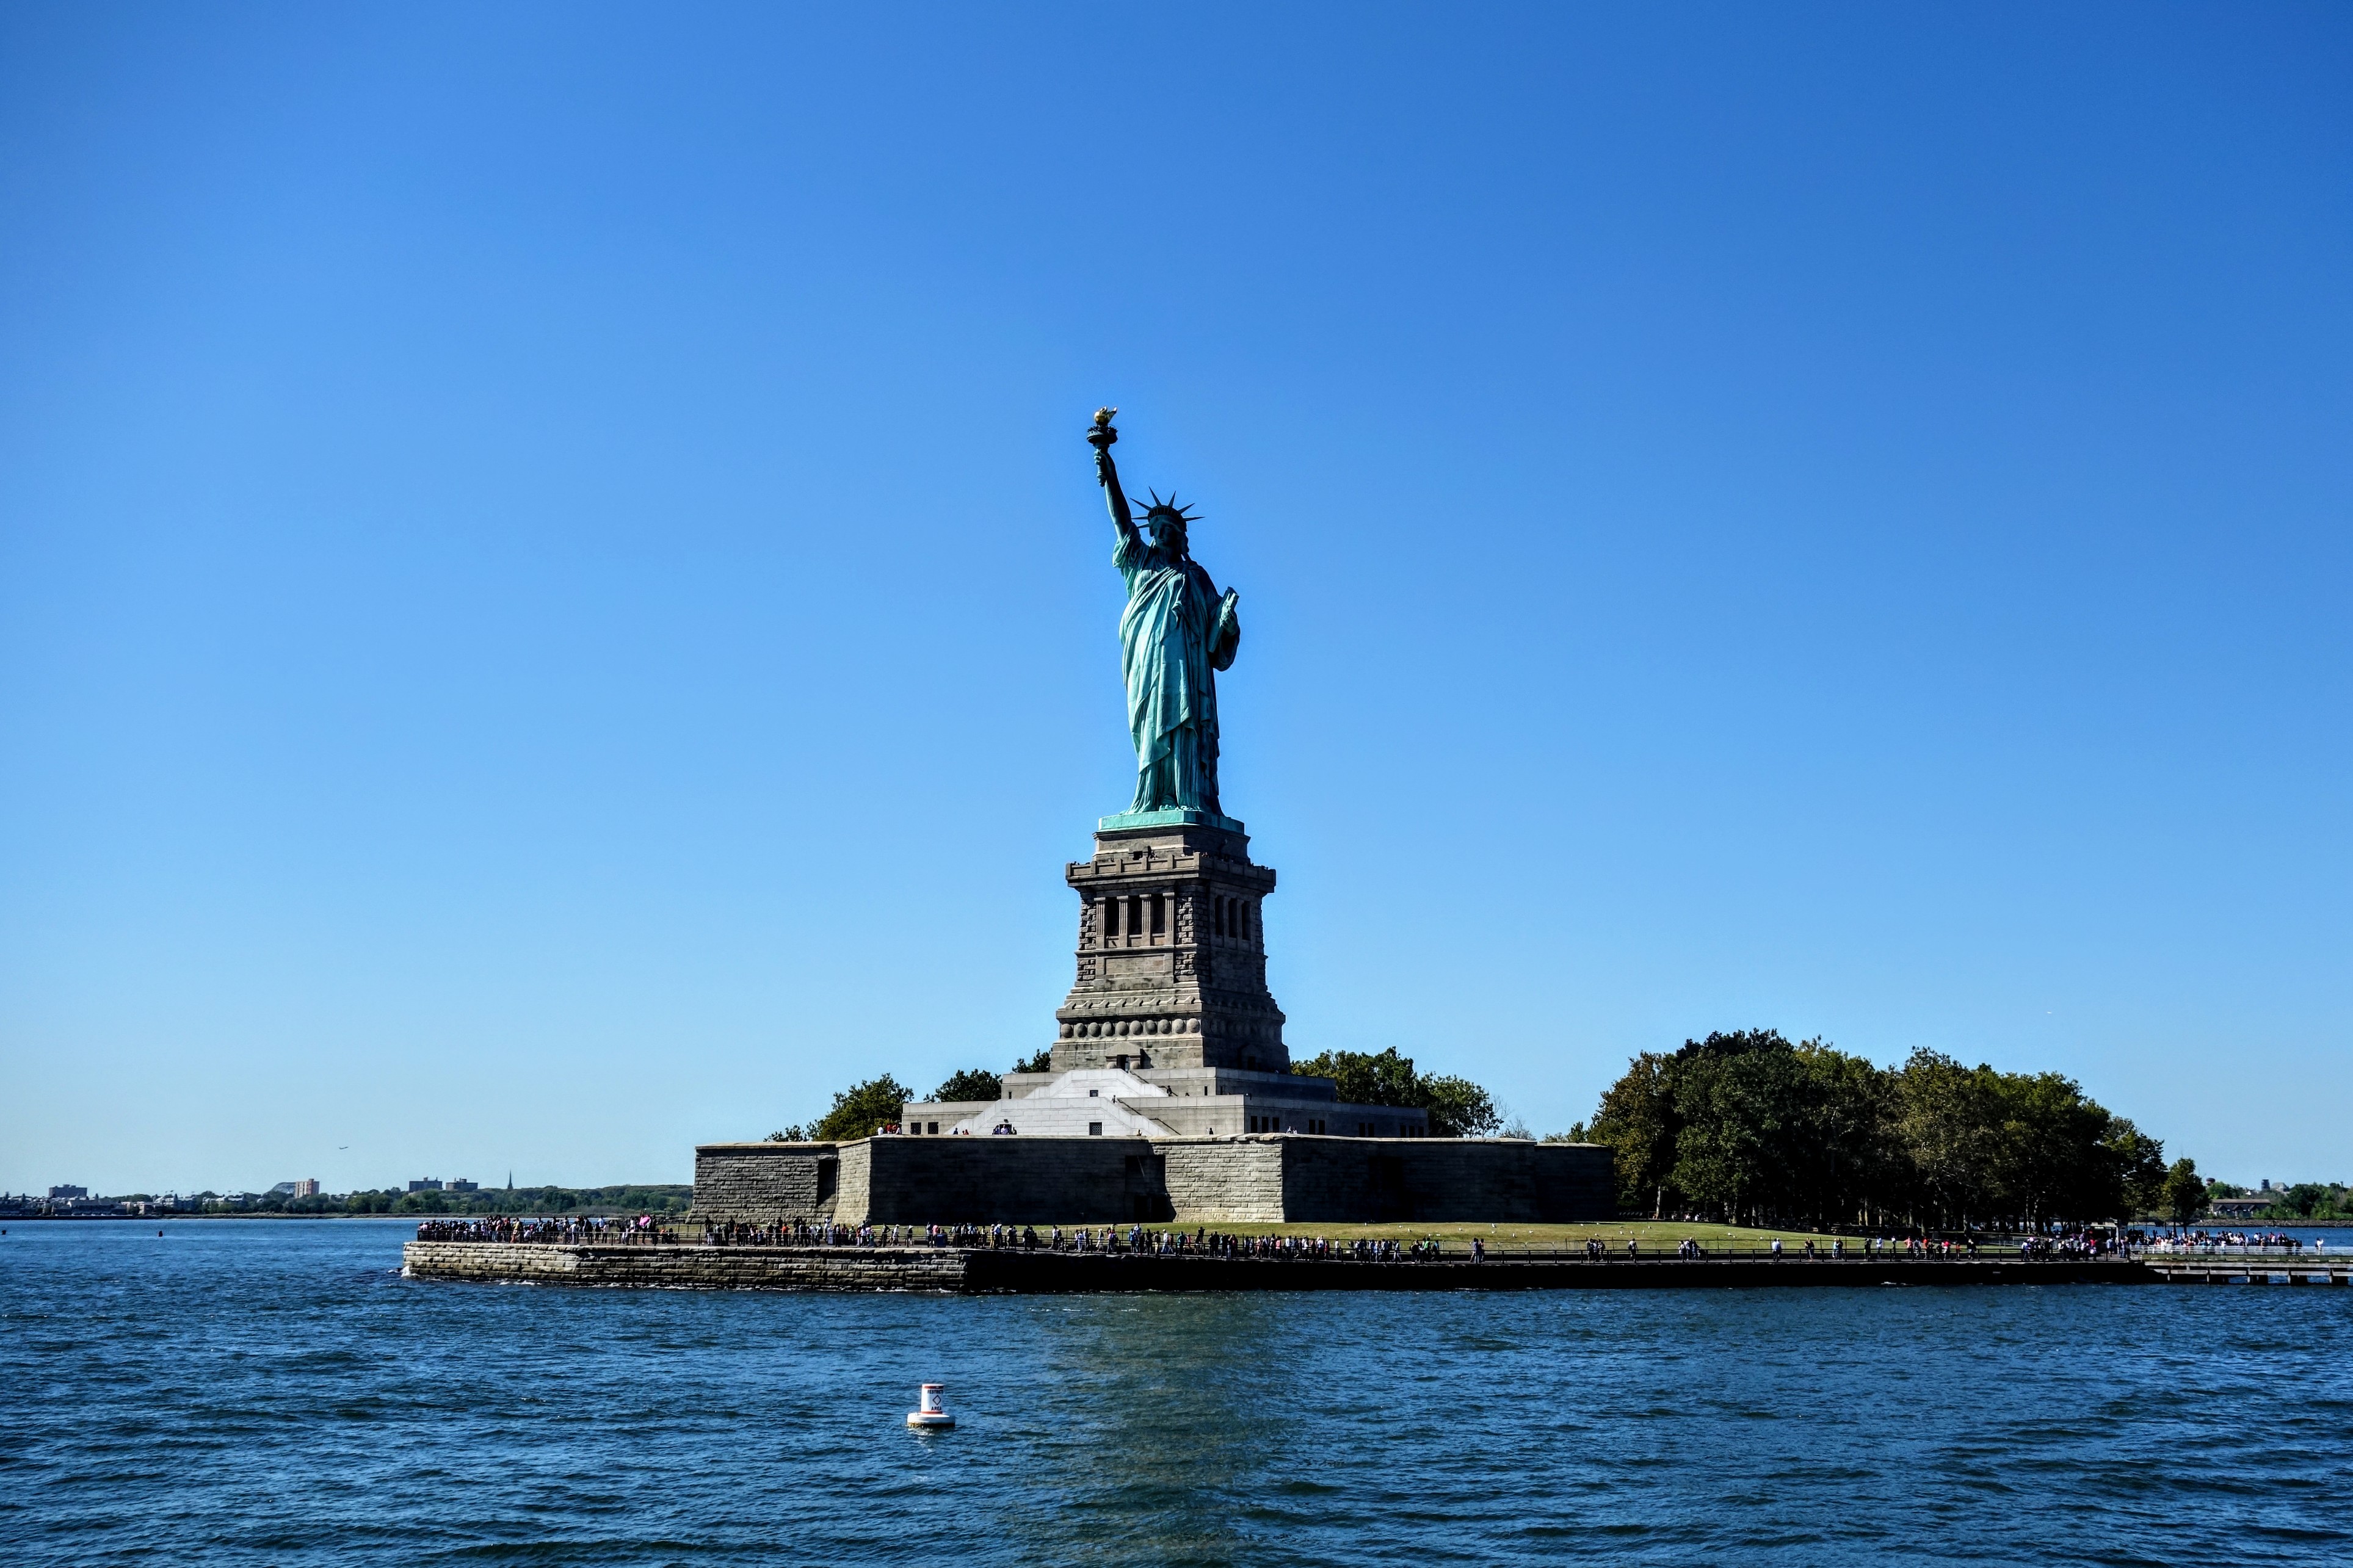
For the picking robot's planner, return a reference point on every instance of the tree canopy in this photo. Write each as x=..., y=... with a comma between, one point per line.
x=1457, y=1108
x=1752, y=1129
x=972, y=1083
x=2185, y=1194
x=859, y=1109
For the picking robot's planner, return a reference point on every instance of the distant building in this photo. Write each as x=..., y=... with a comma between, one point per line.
x=463, y=1185
x=306, y=1188
x=69, y=1191
x=282, y=1190
x=427, y=1184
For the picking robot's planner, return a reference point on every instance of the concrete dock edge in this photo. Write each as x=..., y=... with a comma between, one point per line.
x=981, y=1271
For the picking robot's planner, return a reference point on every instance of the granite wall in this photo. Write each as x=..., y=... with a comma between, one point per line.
x=1224, y=1179
x=690, y=1266
x=1442, y=1180
x=762, y=1182
x=1019, y=1180
x=1190, y=1181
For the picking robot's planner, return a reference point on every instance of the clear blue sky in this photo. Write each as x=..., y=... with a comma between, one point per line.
x=555, y=606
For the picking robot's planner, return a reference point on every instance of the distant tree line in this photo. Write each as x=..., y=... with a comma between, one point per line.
x=640, y=1198
x=1749, y=1128
x=2304, y=1201
x=634, y=1198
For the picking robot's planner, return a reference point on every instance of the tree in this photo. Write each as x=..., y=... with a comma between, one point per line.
x=1456, y=1107
x=1753, y=1128
x=1043, y=1061
x=1638, y=1123
x=1852, y=1166
x=2185, y=1195
x=1739, y=1124
x=2051, y=1162
x=2140, y=1167
x=859, y=1109
x=1741, y=1103
x=1949, y=1118
x=972, y=1083
x=2303, y=1200
x=795, y=1133
x=1363, y=1078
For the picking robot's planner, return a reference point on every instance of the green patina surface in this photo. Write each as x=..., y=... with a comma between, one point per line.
x=1176, y=634
x=1173, y=817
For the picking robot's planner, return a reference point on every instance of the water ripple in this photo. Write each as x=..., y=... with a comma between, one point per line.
x=277, y=1393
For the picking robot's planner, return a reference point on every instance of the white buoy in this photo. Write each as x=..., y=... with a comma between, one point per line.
x=927, y=1413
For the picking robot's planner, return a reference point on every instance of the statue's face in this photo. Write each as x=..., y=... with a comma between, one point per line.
x=1168, y=532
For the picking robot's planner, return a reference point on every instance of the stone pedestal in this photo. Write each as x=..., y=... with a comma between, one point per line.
x=1171, y=955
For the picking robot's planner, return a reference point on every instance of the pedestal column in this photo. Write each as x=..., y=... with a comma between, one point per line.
x=1193, y=998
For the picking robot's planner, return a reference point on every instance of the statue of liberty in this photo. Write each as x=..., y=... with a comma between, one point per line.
x=1176, y=633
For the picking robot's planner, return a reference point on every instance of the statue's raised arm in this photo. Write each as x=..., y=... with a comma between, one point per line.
x=1099, y=437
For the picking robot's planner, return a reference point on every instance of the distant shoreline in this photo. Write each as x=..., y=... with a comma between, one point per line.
x=603, y=1212
x=412, y=1218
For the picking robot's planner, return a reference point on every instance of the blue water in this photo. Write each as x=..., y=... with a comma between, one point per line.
x=274, y=1393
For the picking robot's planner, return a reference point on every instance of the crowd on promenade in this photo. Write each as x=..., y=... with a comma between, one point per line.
x=1129, y=1241
x=1139, y=1240
x=2234, y=1242
x=603, y=1230
x=2082, y=1245
x=1885, y=1248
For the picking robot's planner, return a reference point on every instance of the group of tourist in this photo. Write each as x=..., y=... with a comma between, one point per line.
x=1885, y=1249
x=2072, y=1248
x=795, y=1233
x=599, y=1228
x=1315, y=1249
x=825, y=1233
x=1917, y=1247
x=1136, y=1239
x=1130, y=1240
x=2234, y=1241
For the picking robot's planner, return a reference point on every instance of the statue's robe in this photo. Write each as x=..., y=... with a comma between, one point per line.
x=1175, y=634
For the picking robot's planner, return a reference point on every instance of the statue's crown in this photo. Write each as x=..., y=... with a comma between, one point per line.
x=1170, y=510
